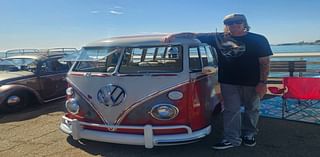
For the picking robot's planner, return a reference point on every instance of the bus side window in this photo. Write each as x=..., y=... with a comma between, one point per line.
x=194, y=59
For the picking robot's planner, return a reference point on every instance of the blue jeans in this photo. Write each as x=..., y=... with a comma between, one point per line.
x=236, y=126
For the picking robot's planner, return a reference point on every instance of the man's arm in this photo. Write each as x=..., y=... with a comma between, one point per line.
x=261, y=88
x=203, y=37
x=172, y=37
x=264, y=68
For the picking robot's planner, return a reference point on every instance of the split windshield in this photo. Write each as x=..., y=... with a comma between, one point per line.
x=158, y=59
x=94, y=59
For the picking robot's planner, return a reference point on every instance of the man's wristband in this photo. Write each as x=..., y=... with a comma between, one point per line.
x=263, y=81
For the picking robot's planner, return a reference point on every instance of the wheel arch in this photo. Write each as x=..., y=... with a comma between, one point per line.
x=7, y=90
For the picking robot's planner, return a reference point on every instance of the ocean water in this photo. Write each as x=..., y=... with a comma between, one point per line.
x=295, y=48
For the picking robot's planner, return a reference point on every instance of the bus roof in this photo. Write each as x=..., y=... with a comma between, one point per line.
x=141, y=40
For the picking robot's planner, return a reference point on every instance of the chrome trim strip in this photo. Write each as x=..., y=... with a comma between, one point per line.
x=19, y=80
x=166, y=74
x=90, y=74
x=200, y=77
x=88, y=101
x=72, y=73
x=188, y=129
x=184, y=141
x=128, y=75
x=45, y=101
x=62, y=73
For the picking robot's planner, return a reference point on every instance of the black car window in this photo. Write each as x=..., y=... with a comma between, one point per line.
x=53, y=65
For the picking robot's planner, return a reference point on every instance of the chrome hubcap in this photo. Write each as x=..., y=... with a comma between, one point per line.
x=13, y=100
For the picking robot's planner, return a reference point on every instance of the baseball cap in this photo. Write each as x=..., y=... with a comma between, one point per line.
x=234, y=17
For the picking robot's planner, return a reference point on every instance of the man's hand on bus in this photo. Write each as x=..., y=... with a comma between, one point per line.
x=171, y=37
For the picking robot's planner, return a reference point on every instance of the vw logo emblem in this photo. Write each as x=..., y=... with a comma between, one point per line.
x=111, y=95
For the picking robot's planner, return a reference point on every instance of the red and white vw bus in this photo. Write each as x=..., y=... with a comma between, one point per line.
x=138, y=90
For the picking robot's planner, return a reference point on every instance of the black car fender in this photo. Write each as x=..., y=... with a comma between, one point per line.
x=6, y=90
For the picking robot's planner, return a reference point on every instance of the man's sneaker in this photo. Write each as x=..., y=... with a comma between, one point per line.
x=224, y=144
x=249, y=141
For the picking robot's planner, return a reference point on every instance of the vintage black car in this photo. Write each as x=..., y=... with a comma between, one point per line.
x=32, y=77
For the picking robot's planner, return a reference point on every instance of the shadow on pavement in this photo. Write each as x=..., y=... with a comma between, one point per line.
x=276, y=138
x=32, y=112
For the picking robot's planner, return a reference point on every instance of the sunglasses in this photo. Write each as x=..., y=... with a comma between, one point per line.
x=238, y=22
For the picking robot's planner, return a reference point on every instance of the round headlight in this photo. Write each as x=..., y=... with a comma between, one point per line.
x=72, y=106
x=69, y=91
x=164, y=112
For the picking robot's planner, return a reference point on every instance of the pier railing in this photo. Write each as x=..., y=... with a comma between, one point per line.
x=52, y=51
x=312, y=60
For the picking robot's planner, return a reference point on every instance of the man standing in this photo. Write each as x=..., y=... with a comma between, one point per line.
x=243, y=61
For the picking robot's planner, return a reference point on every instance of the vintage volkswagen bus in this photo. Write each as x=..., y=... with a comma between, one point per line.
x=138, y=90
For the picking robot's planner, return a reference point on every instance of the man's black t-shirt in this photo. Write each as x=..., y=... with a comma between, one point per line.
x=238, y=57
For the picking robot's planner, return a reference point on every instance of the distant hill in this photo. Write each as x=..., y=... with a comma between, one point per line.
x=317, y=42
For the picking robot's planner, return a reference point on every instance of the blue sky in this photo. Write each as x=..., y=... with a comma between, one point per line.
x=73, y=23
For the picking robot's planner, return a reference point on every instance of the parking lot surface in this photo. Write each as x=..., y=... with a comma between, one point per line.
x=35, y=132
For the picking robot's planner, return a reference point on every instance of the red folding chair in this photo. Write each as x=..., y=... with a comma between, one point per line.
x=305, y=90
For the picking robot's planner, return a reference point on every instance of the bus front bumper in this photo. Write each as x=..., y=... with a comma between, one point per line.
x=74, y=128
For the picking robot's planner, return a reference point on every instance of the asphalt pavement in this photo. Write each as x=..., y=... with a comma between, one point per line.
x=35, y=132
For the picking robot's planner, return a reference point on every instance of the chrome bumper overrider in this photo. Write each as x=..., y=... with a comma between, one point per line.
x=74, y=128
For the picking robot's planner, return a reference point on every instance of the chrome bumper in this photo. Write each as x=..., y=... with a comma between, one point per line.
x=75, y=129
